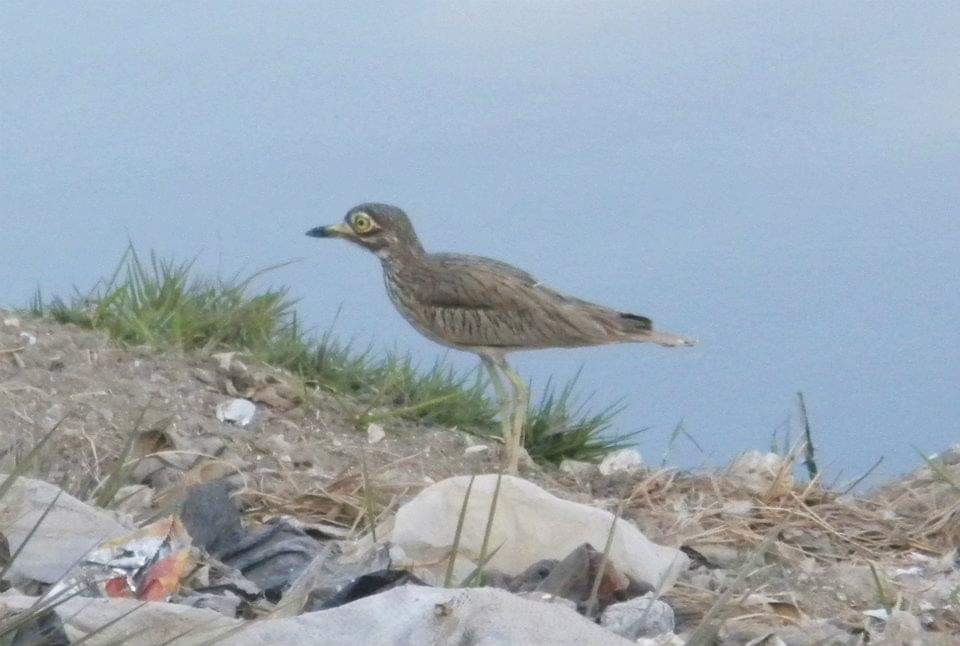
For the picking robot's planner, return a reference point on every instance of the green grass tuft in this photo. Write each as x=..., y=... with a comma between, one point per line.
x=159, y=303
x=559, y=427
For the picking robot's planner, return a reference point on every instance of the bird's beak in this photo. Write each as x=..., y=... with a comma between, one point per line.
x=340, y=230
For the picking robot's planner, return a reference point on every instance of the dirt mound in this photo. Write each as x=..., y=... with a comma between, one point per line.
x=793, y=555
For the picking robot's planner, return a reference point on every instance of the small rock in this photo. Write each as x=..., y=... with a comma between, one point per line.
x=719, y=555
x=903, y=628
x=640, y=617
x=270, y=396
x=30, y=338
x=205, y=376
x=763, y=473
x=628, y=460
x=375, y=433
x=573, y=578
x=737, y=508
x=477, y=448
x=236, y=411
x=577, y=468
x=133, y=499
x=951, y=456
x=224, y=360
x=11, y=321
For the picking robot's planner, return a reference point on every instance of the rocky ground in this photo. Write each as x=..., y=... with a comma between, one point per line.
x=156, y=508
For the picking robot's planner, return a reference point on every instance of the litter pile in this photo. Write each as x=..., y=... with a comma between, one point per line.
x=201, y=500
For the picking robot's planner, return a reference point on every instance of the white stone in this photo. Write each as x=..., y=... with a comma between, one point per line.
x=667, y=639
x=763, y=473
x=531, y=524
x=628, y=460
x=11, y=321
x=877, y=613
x=404, y=615
x=375, y=433
x=639, y=617
x=737, y=508
x=770, y=639
x=31, y=339
x=224, y=360
x=476, y=448
x=236, y=411
x=69, y=531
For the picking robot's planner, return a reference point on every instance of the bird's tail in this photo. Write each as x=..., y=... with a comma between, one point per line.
x=640, y=328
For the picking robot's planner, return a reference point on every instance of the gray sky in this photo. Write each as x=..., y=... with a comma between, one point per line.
x=779, y=180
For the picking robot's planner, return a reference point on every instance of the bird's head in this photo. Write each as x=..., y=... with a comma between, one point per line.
x=381, y=228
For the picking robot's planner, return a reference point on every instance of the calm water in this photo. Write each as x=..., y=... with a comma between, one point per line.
x=780, y=183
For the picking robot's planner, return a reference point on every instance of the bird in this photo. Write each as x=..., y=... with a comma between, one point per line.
x=485, y=306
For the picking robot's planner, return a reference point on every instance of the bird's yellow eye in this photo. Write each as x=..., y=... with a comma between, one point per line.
x=361, y=223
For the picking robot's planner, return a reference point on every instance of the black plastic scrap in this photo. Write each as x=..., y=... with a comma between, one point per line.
x=271, y=557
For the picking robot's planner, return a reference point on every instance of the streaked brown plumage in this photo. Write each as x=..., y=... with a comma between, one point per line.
x=483, y=305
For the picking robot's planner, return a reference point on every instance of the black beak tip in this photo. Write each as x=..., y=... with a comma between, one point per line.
x=317, y=232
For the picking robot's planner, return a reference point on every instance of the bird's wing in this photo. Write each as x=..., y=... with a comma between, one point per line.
x=487, y=302
x=473, y=301
x=460, y=261
x=475, y=282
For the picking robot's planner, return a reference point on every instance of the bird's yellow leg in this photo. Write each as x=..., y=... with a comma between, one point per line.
x=503, y=399
x=521, y=401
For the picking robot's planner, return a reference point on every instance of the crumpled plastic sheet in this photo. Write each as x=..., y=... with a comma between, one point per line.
x=147, y=564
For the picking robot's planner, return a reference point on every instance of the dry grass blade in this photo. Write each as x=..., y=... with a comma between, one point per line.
x=368, y=495
x=33, y=530
x=193, y=630
x=591, y=610
x=938, y=469
x=882, y=598
x=108, y=488
x=21, y=467
x=108, y=624
x=44, y=604
x=853, y=485
x=476, y=576
x=484, y=558
x=490, y=516
x=706, y=631
x=448, y=578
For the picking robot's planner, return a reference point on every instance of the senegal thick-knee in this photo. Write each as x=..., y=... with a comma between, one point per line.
x=484, y=306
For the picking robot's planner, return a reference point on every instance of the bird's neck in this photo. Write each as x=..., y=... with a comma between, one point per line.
x=395, y=256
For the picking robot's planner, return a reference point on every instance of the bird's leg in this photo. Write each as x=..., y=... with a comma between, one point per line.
x=521, y=400
x=506, y=418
